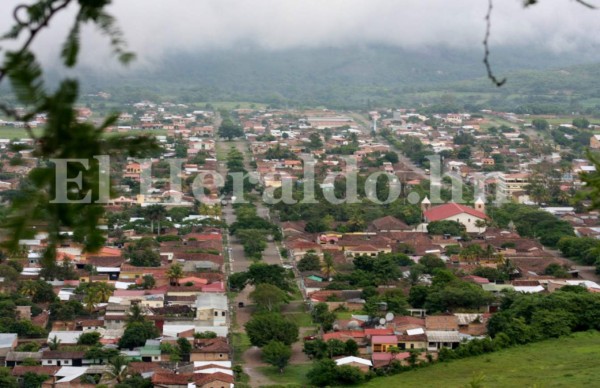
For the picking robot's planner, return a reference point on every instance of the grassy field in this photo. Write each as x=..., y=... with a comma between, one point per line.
x=241, y=343
x=565, y=362
x=301, y=319
x=16, y=133
x=293, y=375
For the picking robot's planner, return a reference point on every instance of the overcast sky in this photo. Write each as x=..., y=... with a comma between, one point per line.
x=153, y=27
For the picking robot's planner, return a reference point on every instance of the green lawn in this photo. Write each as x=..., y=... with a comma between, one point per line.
x=294, y=375
x=565, y=362
x=345, y=314
x=301, y=319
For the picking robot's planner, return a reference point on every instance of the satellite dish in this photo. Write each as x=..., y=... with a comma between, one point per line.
x=353, y=325
x=382, y=321
x=389, y=317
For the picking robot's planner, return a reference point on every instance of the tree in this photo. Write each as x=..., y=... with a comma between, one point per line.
x=480, y=224
x=89, y=339
x=262, y=328
x=237, y=281
x=451, y=228
x=54, y=343
x=351, y=348
x=175, y=273
x=269, y=273
x=431, y=262
x=117, y=368
x=581, y=123
x=321, y=315
x=229, y=130
x=328, y=266
x=98, y=354
x=205, y=334
x=464, y=153
x=277, y=354
x=90, y=300
x=315, y=349
x=148, y=282
x=142, y=253
x=310, y=262
x=268, y=297
x=34, y=380
x=315, y=141
x=135, y=315
x=135, y=381
x=185, y=348
x=102, y=290
x=155, y=213
x=335, y=348
x=137, y=333
x=39, y=290
x=63, y=136
x=6, y=379
x=540, y=124
x=556, y=270
x=323, y=373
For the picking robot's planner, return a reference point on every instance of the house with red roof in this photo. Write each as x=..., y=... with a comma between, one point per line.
x=468, y=216
x=383, y=343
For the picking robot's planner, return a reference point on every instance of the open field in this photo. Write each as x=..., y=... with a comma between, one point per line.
x=564, y=362
x=16, y=133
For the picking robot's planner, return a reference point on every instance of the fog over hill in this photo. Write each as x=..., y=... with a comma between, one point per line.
x=348, y=76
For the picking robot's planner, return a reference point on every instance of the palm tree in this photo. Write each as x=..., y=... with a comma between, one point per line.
x=155, y=213
x=175, y=273
x=135, y=315
x=480, y=224
x=117, y=368
x=90, y=300
x=104, y=291
x=53, y=343
x=28, y=288
x=490, y=252
x=328, y=265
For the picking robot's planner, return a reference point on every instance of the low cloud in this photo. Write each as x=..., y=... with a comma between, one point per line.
x=154, y=28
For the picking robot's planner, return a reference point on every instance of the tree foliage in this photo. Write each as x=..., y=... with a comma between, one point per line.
x=63, y=137
x=277, y=354
x=263, y=328
x=268, y=297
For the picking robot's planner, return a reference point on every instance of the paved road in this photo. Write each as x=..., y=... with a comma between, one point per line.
x=239, y=263
x=367, y=129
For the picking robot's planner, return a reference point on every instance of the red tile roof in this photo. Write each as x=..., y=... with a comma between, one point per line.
x=344, y=335
x=20, y=370
x=452, y=209
x=379, y=332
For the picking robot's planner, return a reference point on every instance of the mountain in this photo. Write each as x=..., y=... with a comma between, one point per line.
x=345, y=77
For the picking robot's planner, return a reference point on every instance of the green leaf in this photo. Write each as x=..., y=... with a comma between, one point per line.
x=25, y=75
x=71, y=46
